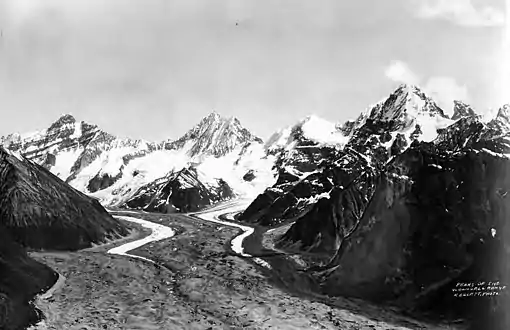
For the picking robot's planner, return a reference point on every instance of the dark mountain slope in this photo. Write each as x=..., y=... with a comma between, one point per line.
x=38, y=210
x=406, y=221
x=180, y=191
x=425, y=229
x=383, y=131
x=41, y=211
x=20, y=279
x=412, y=234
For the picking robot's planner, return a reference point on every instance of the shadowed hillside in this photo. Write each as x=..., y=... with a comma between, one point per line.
x=39, y=211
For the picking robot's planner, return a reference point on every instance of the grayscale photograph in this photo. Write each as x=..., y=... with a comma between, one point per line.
x=254, y=164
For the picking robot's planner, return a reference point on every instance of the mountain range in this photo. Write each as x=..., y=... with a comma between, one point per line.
x=375, y=201
x=118, y=170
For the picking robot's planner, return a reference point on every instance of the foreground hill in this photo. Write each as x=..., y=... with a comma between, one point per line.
x=39, y=211
x=42, y=212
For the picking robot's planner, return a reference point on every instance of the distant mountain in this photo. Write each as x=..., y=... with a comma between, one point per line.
x=113, y=169
x=462, y=110
x=298, y=151
x=501, y=123
x=186, y=190
x=216, y=146
x=214, y=135
x=312, y=130
x=68, y=146
x=382, y=131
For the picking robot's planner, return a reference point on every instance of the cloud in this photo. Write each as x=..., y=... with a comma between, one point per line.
x=460, y=12
x=399, y=71
x=443, y=89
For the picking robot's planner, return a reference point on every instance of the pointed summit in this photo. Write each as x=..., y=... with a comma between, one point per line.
x=401, y=109
x=213, y=115
x=62, y=120
x=461, y=110
x=501, y=123
x=504, y=111
x=214, y=135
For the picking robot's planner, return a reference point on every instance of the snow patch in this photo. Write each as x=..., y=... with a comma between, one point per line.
x=322, y=131
x=490, y=152
x=64, y=161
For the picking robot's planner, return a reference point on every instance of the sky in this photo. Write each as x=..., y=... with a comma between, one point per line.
x=152, y=68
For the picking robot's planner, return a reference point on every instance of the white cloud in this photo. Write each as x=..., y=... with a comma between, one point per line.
x=460, y=12
x=443, y=89
x=399, y=71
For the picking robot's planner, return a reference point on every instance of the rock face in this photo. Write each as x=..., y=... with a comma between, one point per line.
x=181, y=191
x=325, y=225
x=425, y=225
x=78, y=152
x=214, y=135
x=41, y=211
x=501, y=124
x=461, y=110
x=299, y=151
x=383, y=131
x=407, y=229
x=403, y=209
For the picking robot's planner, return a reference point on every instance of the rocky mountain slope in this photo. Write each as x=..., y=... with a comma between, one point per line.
x=381, y=132
x=68, y=146
x=186, y=190
x=376, y=215
x=214, y=136
x=298, y=153
x=39, y=211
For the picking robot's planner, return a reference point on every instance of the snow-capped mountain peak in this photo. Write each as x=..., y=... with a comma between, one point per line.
x=504, y=113
x=501, y=122
x=406, y=110
x=214, y=135
x=461, y=109
x=404, y=104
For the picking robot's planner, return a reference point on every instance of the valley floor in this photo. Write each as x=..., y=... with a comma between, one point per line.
x=199, y=285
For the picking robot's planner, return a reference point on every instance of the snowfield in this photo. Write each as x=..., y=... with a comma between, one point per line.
x=314, y=129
